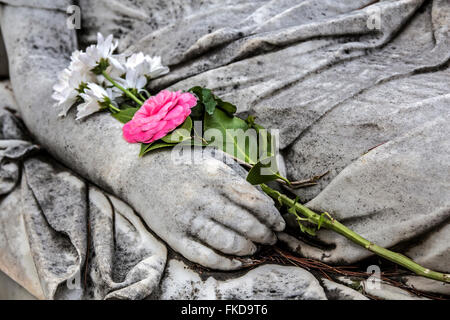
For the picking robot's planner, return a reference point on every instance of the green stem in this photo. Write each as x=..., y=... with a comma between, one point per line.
x=336, y=226
x=127, y=92
x=114, y=108
x=283, y=178
x=141, y=96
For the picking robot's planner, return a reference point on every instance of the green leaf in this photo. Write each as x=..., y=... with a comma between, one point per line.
x=233, y=138
x=266, y=141
x=306, y=229
x=263, y=171
x=226, y=106
x=147, y=147
x=321, y=220
x=198, y=111
x=101, y=66
x=209, y=101
x=193, y=142
x=197, y=90
x=125, y=115
x=181, y=133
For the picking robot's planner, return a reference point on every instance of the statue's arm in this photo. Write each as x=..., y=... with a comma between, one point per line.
x=200, y=209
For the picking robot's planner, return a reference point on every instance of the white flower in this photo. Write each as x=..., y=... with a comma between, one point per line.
x=146, y=65
x=63, y=93
x=133, y=80
x=79, y=72
x=139, y=68
x=103, y=50
x=76, y=64
x=66, y=90
x=82, y=79
x=94, y=96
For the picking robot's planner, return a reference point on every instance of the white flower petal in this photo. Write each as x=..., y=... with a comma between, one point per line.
x=94, y=90
x=140, y=83
x=87, y=108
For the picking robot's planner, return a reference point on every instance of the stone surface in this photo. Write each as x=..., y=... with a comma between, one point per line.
x=43, y=229
x=44, y=239
x=334, y=99
x=3, y=59
x=10, y=290
x=132, y=268
x=380, y=205
x=337, y=291
x=427, y=285
x=369, y=105
x=387, y=292
x=125, y=260
x=337, y=87
x=8, y=101
x=42, y=4
x=16, y=259
x=263, y=282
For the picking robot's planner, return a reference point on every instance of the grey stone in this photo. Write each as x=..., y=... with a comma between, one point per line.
x=43, y=234
x=3, y=58
x=11, y=290
x=388, y=292
x=262, y=283
x=432, y=251
x=337, y=291
x=55, y=213
x=128, y=261
x=44, y=239
x=379, y=205
x=8, y=101
x=42, y=4
x=427, y=285
x=16, y=259
x=335, y=87
x=15, y=253
x=334, y=96
x=335, y=99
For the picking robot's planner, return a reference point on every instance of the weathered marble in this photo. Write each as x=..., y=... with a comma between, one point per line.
x=388, y=292
x=41, y=4
x=44, y=239
x=337, y=89
x=3, y=58
x=62, y=238
x=50, y=218
x=314, y=69
x=427, y=285
x=337, y=291
x=264, y=282
x=11, y=290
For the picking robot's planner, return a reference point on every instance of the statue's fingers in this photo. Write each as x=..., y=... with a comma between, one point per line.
x=201, y=254
x=221, y=238
x=241, y=221
x=250, y=198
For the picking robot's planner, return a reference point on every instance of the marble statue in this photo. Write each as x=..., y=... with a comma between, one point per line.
x=358, y=89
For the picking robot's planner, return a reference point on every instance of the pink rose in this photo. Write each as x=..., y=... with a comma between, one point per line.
x=158, y=116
